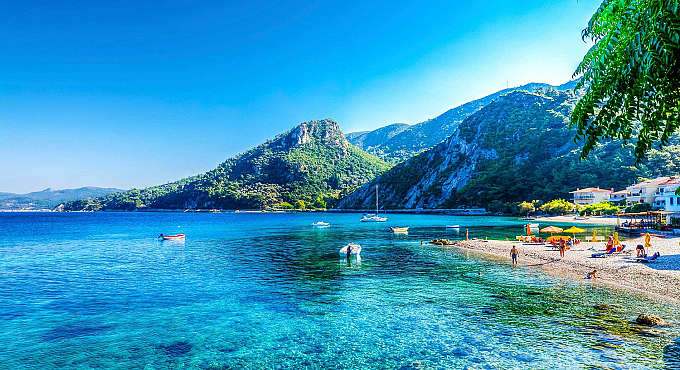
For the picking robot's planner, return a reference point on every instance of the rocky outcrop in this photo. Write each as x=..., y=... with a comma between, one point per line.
x=649, y=320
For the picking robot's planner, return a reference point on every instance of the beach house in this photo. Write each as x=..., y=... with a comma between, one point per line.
x=645, y=191
x=619, y=197
x=665, y=198
x=590, y=195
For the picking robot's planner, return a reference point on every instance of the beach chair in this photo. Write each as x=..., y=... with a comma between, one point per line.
x=603, y=254
x=622, y=251
x=653, y=258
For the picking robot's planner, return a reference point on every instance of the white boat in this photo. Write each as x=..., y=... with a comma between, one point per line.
x=355, y=249
x=399, y=229
x=320, y=224
x=375, y=217
x=452, y=226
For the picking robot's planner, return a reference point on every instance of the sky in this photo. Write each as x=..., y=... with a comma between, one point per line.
x=130, y=94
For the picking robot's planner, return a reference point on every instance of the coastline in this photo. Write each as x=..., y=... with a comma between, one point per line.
x=660, y=278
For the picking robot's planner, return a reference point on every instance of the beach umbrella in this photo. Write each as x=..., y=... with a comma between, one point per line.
x=616, y=239
x=594, y=236
x=528, y=229
x=552, y=230
x=573, y=231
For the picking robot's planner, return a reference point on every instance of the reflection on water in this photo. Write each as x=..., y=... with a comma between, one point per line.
x=267, y=291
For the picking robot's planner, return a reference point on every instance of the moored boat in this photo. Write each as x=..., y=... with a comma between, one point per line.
x=172, y=237
x=399, y=229
x=320, y=224
x=354, y=249
x=452, y=226
x=375, y=217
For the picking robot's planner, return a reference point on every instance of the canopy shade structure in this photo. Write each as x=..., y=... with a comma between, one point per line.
x=552, y=229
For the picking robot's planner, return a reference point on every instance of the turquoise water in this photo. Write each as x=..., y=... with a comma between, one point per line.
x=264, y=291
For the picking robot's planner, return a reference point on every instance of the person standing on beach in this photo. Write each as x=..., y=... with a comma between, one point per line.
x=563, y=247
x=513, y=253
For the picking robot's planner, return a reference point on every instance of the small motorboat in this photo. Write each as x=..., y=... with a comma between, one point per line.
x=452, y=226
x=399, y=229
x=354, y=249
x=320, y=224
x=172, y=237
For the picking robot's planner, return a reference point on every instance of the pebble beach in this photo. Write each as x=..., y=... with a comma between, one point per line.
x=661, y=277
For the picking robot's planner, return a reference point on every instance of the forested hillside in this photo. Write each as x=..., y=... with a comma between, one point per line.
x=308, y=166
x=516, y=148
x=404, y=142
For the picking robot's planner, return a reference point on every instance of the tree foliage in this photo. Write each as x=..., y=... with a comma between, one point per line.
x=526, y=208
x=604, y=207
x=557, y=206
x=631, y=74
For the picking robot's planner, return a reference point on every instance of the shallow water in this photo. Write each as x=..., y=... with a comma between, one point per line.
x=83, y=291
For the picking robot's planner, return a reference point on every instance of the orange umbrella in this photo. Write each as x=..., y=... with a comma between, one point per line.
x=552, y=230
x=528, y=229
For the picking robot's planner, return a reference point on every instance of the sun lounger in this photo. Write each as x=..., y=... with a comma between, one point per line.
x=653, y=258
x=603, y=254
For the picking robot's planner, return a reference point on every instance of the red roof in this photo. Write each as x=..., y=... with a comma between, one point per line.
x=590, y=190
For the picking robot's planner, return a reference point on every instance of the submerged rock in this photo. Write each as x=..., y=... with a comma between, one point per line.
x=441, y=242
x=649, y=320
x=605, y=307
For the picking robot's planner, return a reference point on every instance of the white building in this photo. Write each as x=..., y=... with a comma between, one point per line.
x=644, y=192
x=590, y=195
x=665, y=198
x=619, y=197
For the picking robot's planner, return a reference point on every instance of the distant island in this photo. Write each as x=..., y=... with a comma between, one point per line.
x=50, y=198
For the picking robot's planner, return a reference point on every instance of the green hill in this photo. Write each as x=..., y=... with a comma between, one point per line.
x=517, y=148
x=398, y=142
x=312, y=163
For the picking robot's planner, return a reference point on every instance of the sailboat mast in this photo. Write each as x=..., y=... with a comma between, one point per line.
x=376, y=199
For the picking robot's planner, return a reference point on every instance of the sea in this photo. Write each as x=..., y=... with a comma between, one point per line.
x=267, y=291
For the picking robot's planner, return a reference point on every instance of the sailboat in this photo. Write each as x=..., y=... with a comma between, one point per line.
x=375, y=217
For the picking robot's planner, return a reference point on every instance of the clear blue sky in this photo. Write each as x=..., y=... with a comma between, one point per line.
x=135, y=93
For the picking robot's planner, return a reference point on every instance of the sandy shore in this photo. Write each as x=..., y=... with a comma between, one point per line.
x=593, y=220
x=661, y=277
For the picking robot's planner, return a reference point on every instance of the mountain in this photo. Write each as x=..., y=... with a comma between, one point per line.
x=311, y=164
x=367, y=140
x=405, y=142
x=50, y=198
x=517, y=148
